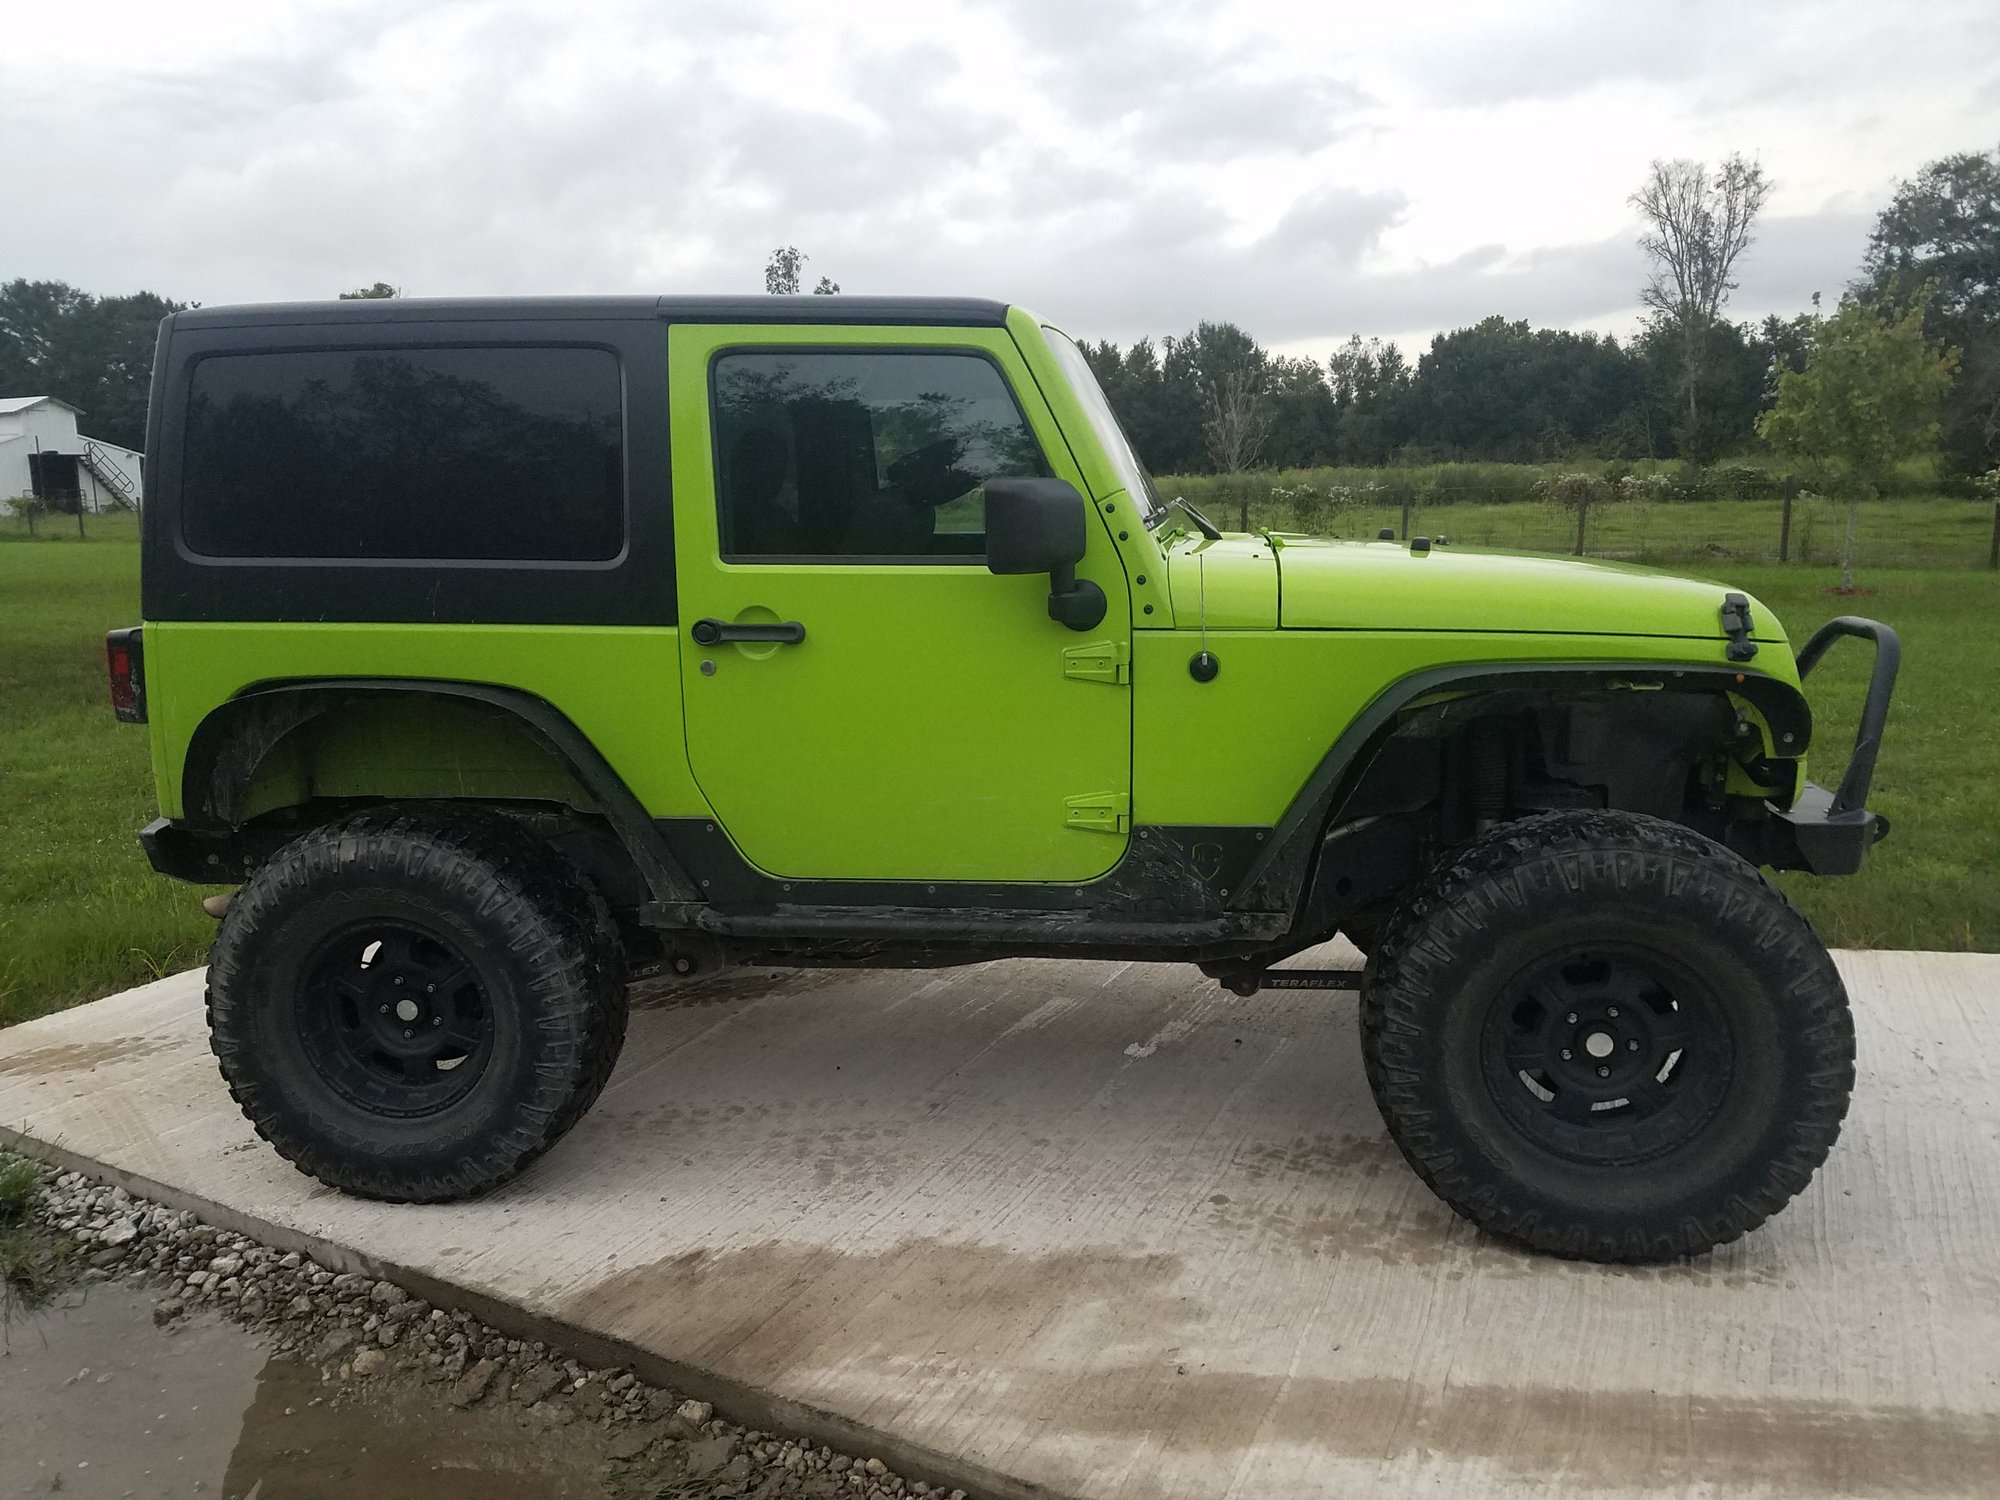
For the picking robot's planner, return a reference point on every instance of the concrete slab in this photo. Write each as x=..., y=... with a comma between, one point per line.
x=1103, y=1231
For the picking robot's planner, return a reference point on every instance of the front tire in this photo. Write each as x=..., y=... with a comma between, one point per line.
x=1603, y=1036
x=413, y=1004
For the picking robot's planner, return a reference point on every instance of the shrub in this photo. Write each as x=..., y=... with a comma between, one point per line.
x=1576, y=495
x=1738, y=481
x=1645, y=487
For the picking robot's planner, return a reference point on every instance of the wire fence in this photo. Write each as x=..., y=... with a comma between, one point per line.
x=1806, y=529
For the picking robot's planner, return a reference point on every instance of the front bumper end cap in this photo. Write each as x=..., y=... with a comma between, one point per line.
x=1826, y=841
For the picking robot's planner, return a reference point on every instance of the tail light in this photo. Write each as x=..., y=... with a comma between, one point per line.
x=125, y=660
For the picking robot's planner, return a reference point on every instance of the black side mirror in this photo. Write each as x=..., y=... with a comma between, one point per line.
x=1037, y=526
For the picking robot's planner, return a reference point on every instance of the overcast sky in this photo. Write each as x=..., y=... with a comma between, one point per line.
x=1307, y=170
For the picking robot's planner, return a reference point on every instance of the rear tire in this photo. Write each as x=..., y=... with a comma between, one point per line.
x=1604, y=1036
x=414, y=1003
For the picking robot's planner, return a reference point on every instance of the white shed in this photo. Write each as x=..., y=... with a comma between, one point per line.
x=44, y=456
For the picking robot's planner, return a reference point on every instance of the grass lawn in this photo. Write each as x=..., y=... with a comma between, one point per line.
x=1935, y=881
x=1900, y=533
x=81, y=914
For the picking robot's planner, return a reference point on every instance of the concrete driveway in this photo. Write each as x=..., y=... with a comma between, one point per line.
x=1104, y=1231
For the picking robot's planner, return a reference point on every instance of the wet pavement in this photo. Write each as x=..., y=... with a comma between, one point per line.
x=95, y=1401
x=1092, y=1230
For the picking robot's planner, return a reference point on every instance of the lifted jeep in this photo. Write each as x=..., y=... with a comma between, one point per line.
x=499, y=648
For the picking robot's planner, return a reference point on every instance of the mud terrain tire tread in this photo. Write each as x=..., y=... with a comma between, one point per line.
x=1528, y=871
x=545, y=923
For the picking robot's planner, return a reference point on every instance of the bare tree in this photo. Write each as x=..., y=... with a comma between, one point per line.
x=1235, y=420
x=1698, y=224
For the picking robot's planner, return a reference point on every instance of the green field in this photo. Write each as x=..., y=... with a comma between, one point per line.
x=81, y=914
x=1900, y=533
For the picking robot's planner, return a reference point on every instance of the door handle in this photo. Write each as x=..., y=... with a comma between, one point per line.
x=712, y=632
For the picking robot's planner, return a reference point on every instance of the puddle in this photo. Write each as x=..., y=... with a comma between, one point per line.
x=97, y=1402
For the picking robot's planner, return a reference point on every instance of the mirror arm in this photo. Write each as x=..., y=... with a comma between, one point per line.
x=1075, y=602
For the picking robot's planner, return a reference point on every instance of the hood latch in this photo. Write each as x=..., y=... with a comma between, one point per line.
x=1736, y=625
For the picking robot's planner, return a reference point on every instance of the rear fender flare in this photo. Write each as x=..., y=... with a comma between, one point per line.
x=228, y=746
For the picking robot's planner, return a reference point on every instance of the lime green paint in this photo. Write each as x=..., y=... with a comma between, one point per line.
x=1137, y=549
x=616, y=684
x=1238, y=749
x=1329, y=585
x=1230, y=584
x=935, y=723
x=927, y=727
x=398, y=747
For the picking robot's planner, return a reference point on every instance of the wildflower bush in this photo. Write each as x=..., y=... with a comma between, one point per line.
x=1575, y=496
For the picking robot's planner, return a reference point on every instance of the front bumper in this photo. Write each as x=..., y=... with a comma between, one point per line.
x=1831, y=832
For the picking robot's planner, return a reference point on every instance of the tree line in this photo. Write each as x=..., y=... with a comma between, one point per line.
x=1691, y=384
x=96, y=353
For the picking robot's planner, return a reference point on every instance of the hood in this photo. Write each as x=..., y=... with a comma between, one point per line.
x=1231, y=582
x=1315, y=583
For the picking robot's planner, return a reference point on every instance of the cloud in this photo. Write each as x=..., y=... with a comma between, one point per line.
x=1128, y=168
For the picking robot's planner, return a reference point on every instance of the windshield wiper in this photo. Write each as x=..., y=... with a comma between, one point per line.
x=1201, y=522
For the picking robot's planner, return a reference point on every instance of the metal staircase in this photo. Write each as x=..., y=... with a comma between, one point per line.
x=105, y=470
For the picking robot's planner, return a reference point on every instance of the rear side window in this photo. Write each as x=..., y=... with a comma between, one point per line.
x=476, y=453
x=862, y=454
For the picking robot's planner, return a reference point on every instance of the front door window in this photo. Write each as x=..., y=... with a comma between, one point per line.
x=850, y=455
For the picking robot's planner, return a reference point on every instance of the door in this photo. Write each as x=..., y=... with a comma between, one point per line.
x=931, y=722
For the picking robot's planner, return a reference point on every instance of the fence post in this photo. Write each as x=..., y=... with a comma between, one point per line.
x=1785, y=521
x=1406, y=515
x=1993, y=552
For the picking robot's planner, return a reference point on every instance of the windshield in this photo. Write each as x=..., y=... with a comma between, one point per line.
x=1125, y=463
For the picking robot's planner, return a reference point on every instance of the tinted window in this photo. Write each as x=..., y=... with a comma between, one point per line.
x=423, y=453
x=862, y=454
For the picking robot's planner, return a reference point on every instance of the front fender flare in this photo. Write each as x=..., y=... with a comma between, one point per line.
x=1277, y=881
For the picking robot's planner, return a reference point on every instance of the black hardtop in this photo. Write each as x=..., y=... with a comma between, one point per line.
x=944, y=312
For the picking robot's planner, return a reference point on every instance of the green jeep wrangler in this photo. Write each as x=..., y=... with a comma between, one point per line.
x=499, y=649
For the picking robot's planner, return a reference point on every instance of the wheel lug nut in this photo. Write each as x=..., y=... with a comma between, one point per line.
x=1571, y=1018
x=1612, y=1012
x=385, y=1010
x=1632, y=1046
x=1567, y=1054
x=439, y=1021
x=408, y=1034
x=431, y=989
x=1603, y=1072
x=399, y=979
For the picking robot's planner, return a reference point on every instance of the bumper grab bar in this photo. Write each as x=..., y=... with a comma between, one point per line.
x=1853, y=791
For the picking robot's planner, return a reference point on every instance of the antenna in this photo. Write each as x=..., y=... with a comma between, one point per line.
x=1201, y=588
x=1203, y=666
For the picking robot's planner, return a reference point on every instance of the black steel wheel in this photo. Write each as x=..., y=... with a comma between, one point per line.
x=1604, y=1036
x=1609, y=1056
x=414, y=1003
x=395, y=1017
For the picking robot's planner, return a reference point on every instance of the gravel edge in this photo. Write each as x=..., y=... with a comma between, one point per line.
x=357, y=1329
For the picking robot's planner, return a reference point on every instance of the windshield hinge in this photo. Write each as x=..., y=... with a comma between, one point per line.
x=1100, y=812
x=1100, y=661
